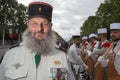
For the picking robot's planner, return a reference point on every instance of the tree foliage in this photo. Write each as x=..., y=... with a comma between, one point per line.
x=107, y=13
x=90, y=25
x=59, y=38
x=12, y=13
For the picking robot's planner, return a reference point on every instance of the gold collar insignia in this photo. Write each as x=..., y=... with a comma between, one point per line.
x=57, y=62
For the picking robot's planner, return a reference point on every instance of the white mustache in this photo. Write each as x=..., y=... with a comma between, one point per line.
x=41, y=32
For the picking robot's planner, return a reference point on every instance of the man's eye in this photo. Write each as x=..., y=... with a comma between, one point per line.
x=34, y=23
x=45, y=24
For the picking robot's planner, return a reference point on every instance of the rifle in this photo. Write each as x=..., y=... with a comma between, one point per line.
x=106, y=53
x=92, y=46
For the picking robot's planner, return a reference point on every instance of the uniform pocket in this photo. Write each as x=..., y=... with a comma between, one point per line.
x=15, y=74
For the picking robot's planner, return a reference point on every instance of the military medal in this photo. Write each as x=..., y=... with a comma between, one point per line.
x=57, y=62
x=58, y=73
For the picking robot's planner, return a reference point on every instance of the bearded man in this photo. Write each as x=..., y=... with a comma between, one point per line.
x=36, y=58
x=112, y=60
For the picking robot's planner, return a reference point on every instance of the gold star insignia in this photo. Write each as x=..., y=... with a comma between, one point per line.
x=17, y=65
x=57, y=62
x=40, y=9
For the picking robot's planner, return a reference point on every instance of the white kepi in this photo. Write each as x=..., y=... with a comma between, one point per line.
x=115, y=26
x=102, y=30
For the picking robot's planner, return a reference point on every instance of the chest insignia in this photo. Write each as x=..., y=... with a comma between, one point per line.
x=57, y=62
x=58, y=73
x=17, y=65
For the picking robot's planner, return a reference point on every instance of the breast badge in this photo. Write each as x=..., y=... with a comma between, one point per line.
x=57, y=62
x=58, y=73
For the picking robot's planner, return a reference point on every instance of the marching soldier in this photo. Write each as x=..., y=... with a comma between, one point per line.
x=77, y=67
x=112, y=60
x=90, y=60
x=85, y=42
x=84, y=47
x=93, y=42
x=37, y=58
x=103, y=42
x=103, y=45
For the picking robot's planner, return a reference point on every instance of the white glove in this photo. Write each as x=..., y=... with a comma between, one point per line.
x=86, y=67
x=85, y=50
x=103, y=61
x=76, y=67
x=89, y=52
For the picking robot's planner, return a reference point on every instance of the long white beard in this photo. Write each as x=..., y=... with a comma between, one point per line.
x=39, y=46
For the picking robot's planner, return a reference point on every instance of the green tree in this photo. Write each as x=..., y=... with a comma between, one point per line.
x=21, y=19
x=11, y=13
x=107, y=13
x=90, y=25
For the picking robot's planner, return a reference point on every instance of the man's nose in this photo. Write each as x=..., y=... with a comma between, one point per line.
x=41, y=27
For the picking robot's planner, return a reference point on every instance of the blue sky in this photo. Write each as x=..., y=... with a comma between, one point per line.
x=69, y=15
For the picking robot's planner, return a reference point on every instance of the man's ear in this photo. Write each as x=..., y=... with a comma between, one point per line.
x=51, y=25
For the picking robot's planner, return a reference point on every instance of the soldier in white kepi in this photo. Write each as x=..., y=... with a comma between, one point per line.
x=37, y=58
x=84, y=47
x=103, y=42
x=100, y=50
x=112, y=59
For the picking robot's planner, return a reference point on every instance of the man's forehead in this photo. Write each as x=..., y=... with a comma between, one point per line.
x=116, y=30
x=38, y=19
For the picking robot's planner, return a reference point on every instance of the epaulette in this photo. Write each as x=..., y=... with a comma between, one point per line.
x=13, y=46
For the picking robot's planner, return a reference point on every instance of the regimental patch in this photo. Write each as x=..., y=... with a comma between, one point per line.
x=40, y=9
x=57, y=62
x=17, y=65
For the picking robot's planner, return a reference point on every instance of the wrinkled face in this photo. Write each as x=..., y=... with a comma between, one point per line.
x=115, y=35
x=39, y=27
